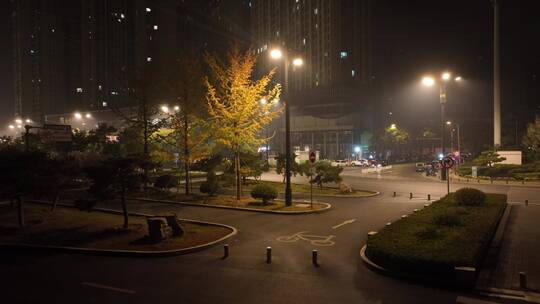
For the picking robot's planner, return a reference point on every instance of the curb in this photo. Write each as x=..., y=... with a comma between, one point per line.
x=375, y=193
x=129, y=253
x=326, y=208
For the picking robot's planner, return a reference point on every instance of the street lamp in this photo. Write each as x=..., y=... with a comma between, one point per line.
x=458, y=137
x=77, y=115
x=165, y=109
x=430, y=81
x=88, y=115
x=393, y=127
x=18, y=120
x=297, y=62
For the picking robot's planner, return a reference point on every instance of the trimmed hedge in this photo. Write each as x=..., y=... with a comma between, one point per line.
x=470, y=197
x=436, y=239
x=264, y=192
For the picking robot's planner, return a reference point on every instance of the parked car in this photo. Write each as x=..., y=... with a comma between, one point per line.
x=360, y=163
x=420, y=167
x=339, y=163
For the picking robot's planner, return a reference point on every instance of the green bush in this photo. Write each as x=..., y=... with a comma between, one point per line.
x=470, y=197
x=210, y=187
x=166, y=181
x=264, y=192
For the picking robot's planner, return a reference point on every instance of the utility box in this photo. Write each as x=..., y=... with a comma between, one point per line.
x=512, y=157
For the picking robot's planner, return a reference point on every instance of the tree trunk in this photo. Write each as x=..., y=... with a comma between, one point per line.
x=186, y=153
x=238, y=181
x=55, y=200
x=124, y=205
x=145, y=150
x=20, y=211
x=123, y=201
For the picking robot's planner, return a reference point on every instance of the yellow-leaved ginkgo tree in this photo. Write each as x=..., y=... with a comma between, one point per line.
x=239, y=106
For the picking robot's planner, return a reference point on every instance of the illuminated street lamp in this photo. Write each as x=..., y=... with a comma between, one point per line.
x=393, y=127
x=88, y=115
x=165, y=109
x=18, y=120
x=176, y=108
x=430, y=81
x=296, y=62
x=11, y=127
x=77, y=115
x=28, y=120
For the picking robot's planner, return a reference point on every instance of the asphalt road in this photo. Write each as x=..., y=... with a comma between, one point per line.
x=245, y=277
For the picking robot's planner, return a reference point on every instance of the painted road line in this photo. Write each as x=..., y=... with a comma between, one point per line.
x=95, y=285
x=344, y=223
x=467, y=300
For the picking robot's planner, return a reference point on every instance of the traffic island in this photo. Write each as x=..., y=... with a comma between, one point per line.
x=303, y=189
x=249, y=204
x=100, y=231
x=444, y=242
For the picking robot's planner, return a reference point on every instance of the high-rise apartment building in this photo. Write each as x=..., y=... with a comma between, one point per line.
x=330, y=93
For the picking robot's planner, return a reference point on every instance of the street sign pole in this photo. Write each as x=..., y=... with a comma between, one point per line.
x=447, y=181
x=311, y=189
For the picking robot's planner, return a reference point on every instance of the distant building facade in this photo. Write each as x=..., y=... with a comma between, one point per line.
x=330, y=93
x=80, y=55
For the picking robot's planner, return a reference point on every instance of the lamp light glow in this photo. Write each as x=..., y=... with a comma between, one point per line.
x=428, y=81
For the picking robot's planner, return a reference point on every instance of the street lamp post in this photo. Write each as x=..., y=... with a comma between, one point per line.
x=429, y=81
x=278, y=54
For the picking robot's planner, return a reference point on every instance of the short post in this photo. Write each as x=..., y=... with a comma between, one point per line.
x=410, y=195
x=523, y=280
x=491, y=180
x=268, y=255
x=523, y=181
x=314, y=255
x=395, y=194
x=225, y=251
x=467, y=180
x=507, y=180
x=478, y=180
x=429, y=197
x=526, y=202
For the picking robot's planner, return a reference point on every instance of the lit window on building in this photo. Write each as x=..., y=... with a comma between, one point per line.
x=155, y=27
x=148, y=59
x=114, y=93
x=122, y=16
x=148, y=9
x=277, y=33
x=99, y=87
x=353, y=73
x=104, y=104
x=78, y=90
x=343, y=54
x=304, y=41
x=32, y=51
x=315, y=11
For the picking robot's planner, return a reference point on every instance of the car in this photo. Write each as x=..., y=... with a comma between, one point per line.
x=420, y=167
x=360, y=163
x=339, y=163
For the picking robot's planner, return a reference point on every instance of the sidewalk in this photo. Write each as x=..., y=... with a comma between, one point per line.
x=520, y=250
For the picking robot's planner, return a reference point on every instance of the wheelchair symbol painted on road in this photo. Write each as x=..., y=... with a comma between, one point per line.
x=315, y=240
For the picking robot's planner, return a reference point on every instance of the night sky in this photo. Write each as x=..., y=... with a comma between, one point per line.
x=415, y=37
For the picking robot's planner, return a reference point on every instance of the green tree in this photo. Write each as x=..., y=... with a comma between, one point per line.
x=531, y=139
x=234, y=106
x=488, y=158
x=391, y=138
x=190, y=132
x=326, y=173
x=296, y=169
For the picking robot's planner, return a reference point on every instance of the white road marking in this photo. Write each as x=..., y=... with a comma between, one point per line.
x=467, y=300
x=95, y=285
x=344, y=223
x=316, y=240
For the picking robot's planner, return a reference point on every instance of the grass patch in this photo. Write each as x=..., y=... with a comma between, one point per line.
x=247, y=202
x=436, y=239
x=97, y=230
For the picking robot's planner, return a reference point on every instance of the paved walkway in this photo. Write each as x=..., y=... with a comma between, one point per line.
x=520, y=250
